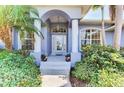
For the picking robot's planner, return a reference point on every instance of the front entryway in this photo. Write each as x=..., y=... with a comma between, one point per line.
x=57, y=34
x=58, y=44
x=55, y=72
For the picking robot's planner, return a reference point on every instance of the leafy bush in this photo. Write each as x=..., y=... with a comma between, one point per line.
x=122, y=51
x=101, y=66
x=22, y=52
x=82, y=71
x=17, y=70
x=107, y=79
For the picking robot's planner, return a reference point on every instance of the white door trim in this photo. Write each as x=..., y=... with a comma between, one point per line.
x=62, y=41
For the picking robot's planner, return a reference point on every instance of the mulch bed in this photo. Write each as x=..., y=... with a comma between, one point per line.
x=76, y=82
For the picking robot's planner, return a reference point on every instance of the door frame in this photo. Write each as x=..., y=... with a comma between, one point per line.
x=59, y=52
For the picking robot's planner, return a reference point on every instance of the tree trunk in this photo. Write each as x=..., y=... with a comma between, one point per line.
x=6, y=36
x=118, y=26
x=103, y=28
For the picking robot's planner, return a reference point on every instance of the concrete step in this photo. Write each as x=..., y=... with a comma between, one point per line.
x=55, y=72
x=55, y=65
x=55, y=68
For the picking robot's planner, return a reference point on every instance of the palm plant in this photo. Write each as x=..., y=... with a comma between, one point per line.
x=95, y=7
x=18, y=17
x=112, y=12
x=116, y=15
x=118, y=26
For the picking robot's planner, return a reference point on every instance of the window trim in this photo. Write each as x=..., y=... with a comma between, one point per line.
x=27, y=38
x=89, y=28
x=61, y=25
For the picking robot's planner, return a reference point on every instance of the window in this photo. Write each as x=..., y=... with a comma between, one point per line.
x=90, y=36
x=59, y=28
x=28, y=41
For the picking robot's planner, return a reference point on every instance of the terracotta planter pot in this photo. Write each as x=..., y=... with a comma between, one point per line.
x=44, y=58
x=68, y=58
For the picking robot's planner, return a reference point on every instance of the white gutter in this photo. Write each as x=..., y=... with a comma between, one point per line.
x=110, y=28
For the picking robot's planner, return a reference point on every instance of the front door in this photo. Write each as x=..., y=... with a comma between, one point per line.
x=58, y=44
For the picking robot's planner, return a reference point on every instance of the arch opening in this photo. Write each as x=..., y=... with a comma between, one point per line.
x=55, y=12
x=56, y=35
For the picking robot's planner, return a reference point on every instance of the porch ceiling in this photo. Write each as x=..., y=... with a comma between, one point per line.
x=57, y=19
x=85, y=9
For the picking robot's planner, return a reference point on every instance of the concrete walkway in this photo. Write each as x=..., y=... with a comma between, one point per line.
x=55, y=81
x=55, y=72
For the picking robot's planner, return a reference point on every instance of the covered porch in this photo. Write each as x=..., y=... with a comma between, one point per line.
x=61, y=34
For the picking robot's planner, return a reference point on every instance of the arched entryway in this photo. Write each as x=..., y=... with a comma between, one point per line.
x=56, y=33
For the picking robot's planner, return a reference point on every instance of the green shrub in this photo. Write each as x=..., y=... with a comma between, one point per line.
x=101, y=66
x=122, y=51
x=107, y=79
x=22, y=52
x=17, y=70
x=83, y=71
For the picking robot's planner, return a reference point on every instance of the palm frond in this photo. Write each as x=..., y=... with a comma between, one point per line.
x=112, y=12
x=18, y=16
x=95, y=7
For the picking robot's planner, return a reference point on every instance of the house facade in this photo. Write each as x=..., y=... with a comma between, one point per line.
x=64, y=32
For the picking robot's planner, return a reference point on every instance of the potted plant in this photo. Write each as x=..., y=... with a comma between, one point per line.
x=68, y=57
x=44, y=58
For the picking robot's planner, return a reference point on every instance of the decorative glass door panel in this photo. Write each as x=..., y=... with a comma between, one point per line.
x=58, y=44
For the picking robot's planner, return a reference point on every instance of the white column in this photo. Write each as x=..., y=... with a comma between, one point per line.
x=19, y=41
x=69, y=40
x=37, y=45
x=75, y=55
x=74, y=36
x=45, y=32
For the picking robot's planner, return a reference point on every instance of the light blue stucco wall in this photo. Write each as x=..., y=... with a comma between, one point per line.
x=44, y=41
x=109, y=37
x=69, y=42
x=15, y=39
x=49, y=44
x=122, y=38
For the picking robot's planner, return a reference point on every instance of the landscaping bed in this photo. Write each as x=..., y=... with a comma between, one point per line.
x=100, y=67
x=75, y=82
x=17, y=70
